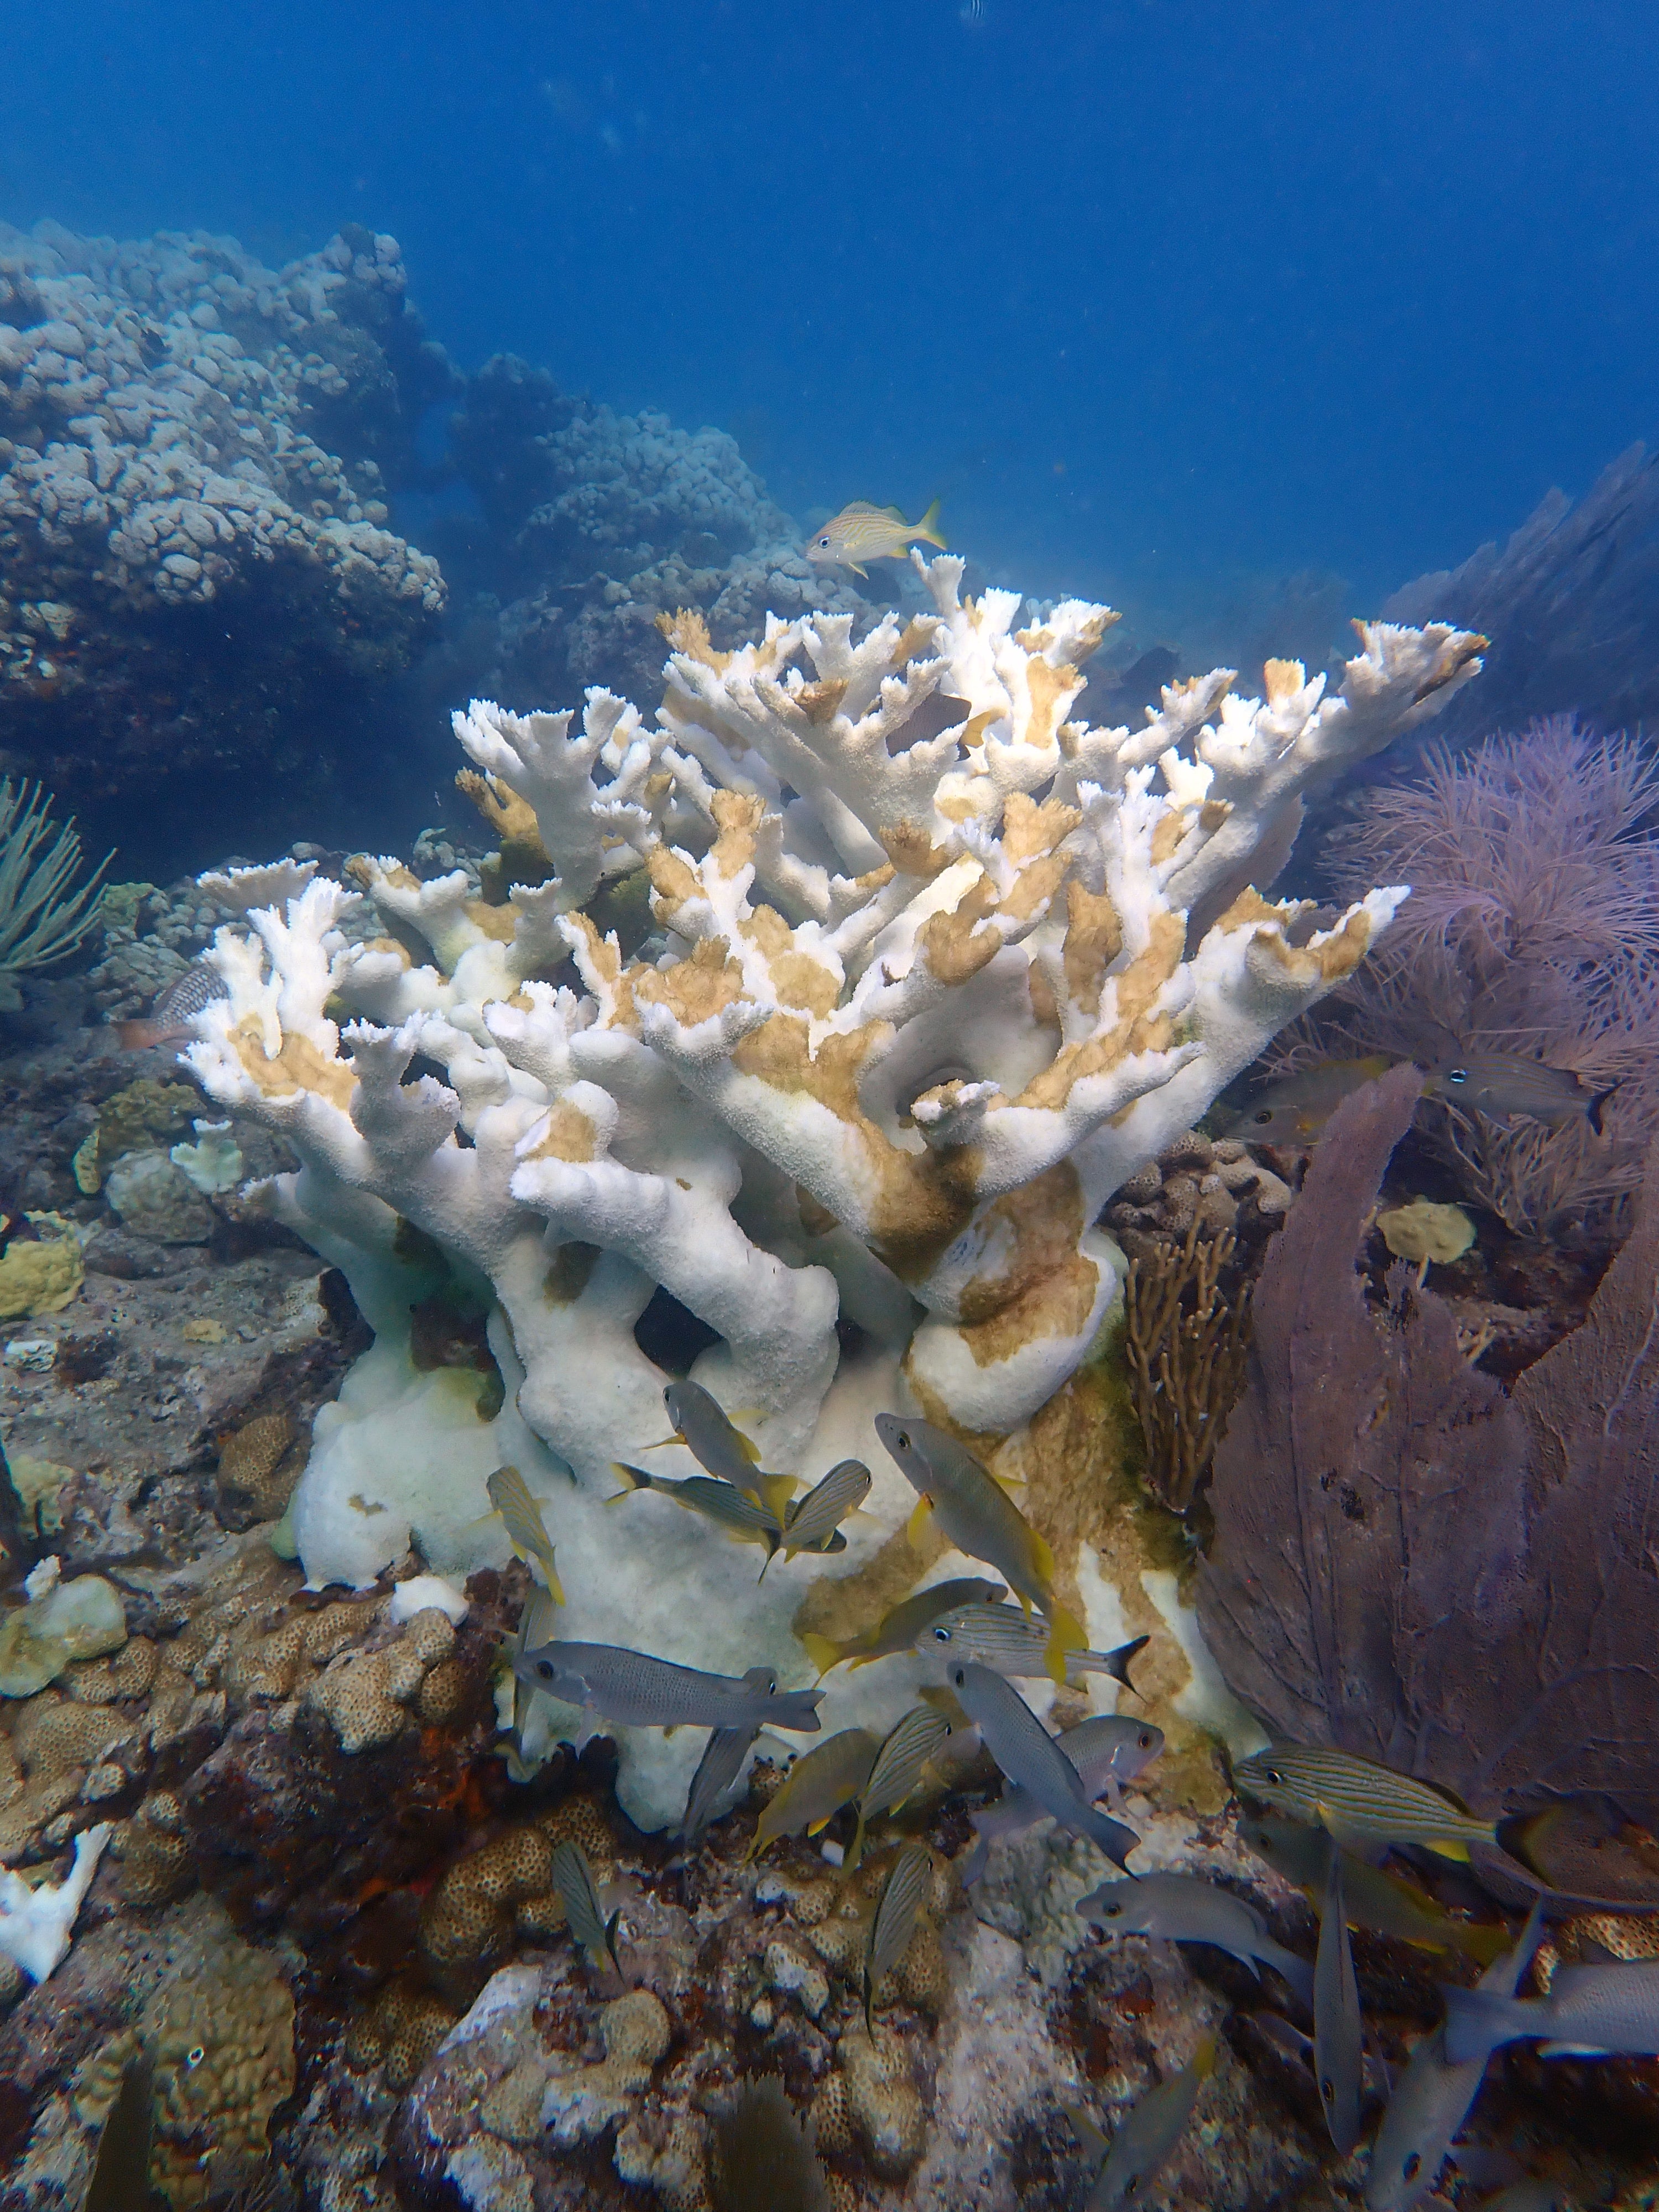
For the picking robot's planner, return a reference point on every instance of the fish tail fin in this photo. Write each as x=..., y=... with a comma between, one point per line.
x=1478, y=2020
x=1118, y=1660
x=555, y=1587
x=849, y=1865
x=1593, y=1111
x=635, y=1478
x=821, y=1651
x=928, y=527
x=777, y=1489
x=916, y=1527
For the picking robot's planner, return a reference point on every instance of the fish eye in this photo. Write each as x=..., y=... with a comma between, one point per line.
x=904, y=1440
x=1114, y=1912
x=1271, y=1774
x=1145, y=1740
x=823, y=541
x=1457, y=1075
x=1413, y=2166
x=194, y=2058
x=544, y=1668
x=941, y=1636
x=1263, y=1116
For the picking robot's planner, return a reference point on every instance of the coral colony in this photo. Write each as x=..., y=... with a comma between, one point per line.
x=820, y=1473
x=920, y=999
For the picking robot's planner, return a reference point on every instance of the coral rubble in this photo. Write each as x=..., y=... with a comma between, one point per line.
x=892, y=1089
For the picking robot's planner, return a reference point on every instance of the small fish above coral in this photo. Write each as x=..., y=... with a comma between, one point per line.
x=863, y=533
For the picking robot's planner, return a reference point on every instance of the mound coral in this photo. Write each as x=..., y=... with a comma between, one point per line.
x=937, y=969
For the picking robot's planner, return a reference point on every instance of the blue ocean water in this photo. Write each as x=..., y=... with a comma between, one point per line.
x=1160, y=296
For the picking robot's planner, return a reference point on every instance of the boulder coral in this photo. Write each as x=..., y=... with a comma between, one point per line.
x=936, y=969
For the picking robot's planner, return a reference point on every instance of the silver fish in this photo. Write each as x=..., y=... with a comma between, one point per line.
x=1178, y=1908
x=821, y=1781
x=1107, y=1750
x=1148, y=2133
x=1002, y=1636
x=897, y=1630
x=729, y=1508
x=1596, y=2012
x=908, y=1882
x=721, y=1762
x=637, y=1691
x=521, y=1516
x=1499, y=1084
x=814, y=1523
x=1372, y=1898
x=1339, y=2032
x=1031, y=1758
x=574, y=1878
x=897, y=1770
x=1433, y=2096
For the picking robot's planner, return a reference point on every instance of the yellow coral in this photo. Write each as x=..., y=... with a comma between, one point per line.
x=39, y=1278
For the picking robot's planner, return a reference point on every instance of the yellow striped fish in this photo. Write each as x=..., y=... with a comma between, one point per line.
x=574, y=1878
x=863, y=533
x=814, y=1524
x=521, y=1518
x=898, y=1768
x=908, y=1881
x=727, y=1507
x=898, y=1630
x=1361, y=1804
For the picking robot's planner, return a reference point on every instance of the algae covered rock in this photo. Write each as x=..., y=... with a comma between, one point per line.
x=157, y=1199
x=40, y=1275
x=78, y=1620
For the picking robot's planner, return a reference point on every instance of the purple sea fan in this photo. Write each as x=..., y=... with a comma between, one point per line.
x=1533, y=927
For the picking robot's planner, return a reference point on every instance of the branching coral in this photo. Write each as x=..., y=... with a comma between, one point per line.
x=43, y=914
x=1532, y=927
x=930, y=983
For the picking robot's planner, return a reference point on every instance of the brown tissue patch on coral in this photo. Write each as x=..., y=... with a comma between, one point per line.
x=498, y=923
x=1043, y=1287
x=569, y=1271
x=1167, y=835
x=819, y=701
x=502, y=1890
x=299, y=1066
x=569, y=1135
x=687, y=631
x=800, y=981
x=953, y=944
x=1136, y=1028
x=221, y=2031
x=523, y=858
x=445, y=1331
x=1094, y=939
x=694, y=989
x=910, y=847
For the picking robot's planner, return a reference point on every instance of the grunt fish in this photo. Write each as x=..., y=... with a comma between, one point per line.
x=729, y=1509
x=821, y=1781
x=1147, y=2134
x=980, y=1519
x=908, y=1880
x=864, y=532
x=171, y=1020
x=1360, y=1803
x=1001, y=1636
x=718, y=1446
x=1432, y=2098
x=1107, y=1751
x=1295, y=1110
x=721, y=1762
x=1031, y=1758
x=1178, y=1908
x=814, y=1523
x=1371, y=1899
x=1596, y=2012
x=637, y=1691
x=899, y=1629
x=897, y=1770
x=521, y=1518
x=1339, y=2031
x=1499, y=1084
x=574, y=1878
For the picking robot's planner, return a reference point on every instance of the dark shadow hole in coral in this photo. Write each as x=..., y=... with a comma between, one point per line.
x=671, y=1336
x=939, y=711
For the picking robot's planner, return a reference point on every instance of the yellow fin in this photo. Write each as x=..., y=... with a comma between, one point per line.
x=928, y=527
x=1065, y=1634
x=814, y=1827
x=555, y=1587
x=663, y=1442
x=917, y=1526
x=856, y=570
x=821, y=1651
x=849, y=1865
x=778, y=1490
x=1041, y=1558
x=1445, y=1849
